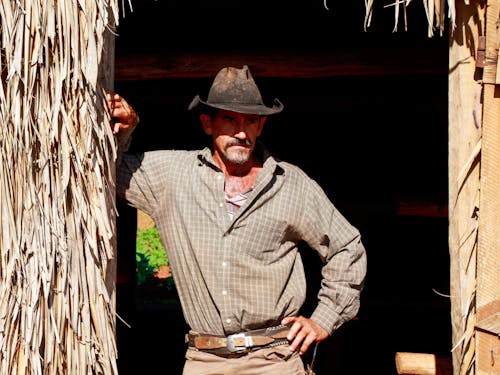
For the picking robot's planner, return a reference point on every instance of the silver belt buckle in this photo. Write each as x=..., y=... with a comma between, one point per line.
x=231, y=345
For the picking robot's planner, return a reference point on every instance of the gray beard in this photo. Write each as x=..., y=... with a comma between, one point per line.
x=239, y=157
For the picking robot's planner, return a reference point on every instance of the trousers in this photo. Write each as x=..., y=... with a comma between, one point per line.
x=278, y=360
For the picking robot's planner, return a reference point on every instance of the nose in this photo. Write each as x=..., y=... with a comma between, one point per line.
x=240, y=129
x=241, y=134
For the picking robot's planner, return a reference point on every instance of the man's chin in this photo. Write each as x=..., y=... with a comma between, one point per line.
x=238, y=157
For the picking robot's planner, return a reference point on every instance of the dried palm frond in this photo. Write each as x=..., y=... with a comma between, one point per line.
x=434, y=10
x=57, y=253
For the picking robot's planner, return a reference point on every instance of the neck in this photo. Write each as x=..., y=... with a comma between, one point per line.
x=239, y=178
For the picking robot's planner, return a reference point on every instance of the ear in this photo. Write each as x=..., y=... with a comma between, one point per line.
x=206, y=122
x=261, y=125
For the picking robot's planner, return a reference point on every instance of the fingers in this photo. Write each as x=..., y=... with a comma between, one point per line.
x=116, y=104
x=114, y=101
x=122, y=114
x=303, y=333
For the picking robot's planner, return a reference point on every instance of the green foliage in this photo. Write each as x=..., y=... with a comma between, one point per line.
x=150, y=253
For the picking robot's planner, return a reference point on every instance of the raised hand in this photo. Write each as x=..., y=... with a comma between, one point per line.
x=123, y=115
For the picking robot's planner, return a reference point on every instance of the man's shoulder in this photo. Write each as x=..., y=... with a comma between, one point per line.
x=171, y=154
x=297, y=177
x=292, y=169
x=161, y=158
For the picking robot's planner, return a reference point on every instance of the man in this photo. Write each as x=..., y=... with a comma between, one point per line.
x=231, y=218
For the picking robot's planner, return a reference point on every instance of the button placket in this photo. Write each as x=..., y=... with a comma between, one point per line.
x=226, y=243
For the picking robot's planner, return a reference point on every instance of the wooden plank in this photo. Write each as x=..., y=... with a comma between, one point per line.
x=465, y=117
x=427, y=209
x=422, y=364
x=283, y=64
x=487, y=334
x=488, y=277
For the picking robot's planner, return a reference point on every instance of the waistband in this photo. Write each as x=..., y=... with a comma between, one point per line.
x=238, y=344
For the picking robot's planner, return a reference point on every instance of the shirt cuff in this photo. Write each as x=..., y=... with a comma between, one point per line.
x=330, y=320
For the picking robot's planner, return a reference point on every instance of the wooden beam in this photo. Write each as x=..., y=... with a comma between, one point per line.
x=284, y=64
x=428, y=209
x=422, y=364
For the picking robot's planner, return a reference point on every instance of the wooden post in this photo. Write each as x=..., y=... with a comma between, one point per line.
x=488, y=275
x=465, y=119
x=474, y=170
x=422, y=364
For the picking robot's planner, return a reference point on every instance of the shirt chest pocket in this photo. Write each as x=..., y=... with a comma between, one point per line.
x=261, y=237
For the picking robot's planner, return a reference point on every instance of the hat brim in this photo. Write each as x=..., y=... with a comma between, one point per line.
x=253, y=109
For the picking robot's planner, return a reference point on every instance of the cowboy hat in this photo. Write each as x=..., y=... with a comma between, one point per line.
x=235, y=90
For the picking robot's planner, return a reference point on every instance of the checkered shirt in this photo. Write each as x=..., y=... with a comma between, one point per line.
x=245, y=273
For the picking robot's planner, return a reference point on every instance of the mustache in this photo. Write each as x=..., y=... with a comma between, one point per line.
x=239, y=142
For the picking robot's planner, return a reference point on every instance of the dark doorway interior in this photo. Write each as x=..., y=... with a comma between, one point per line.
x=377, y=143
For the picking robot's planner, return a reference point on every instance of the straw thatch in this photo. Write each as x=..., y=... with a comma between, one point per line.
x=57, y=252
x=434, y=10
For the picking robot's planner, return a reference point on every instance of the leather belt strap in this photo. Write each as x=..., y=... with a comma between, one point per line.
x=239, y=343
x=241, y=340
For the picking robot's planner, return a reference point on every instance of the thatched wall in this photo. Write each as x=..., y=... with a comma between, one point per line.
x=57, y=250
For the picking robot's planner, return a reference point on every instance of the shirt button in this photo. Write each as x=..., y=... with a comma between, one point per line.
x=228, y=321
x=219, y=177
x=221, y=205
x=224, y=264
x=224, y=292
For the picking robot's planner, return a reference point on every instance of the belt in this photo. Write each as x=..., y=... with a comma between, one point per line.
x=238, y=344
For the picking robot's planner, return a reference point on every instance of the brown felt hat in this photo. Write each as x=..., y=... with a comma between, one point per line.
x=235, y=90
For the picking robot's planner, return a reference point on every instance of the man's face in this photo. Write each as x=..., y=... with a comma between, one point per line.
x=234, y=134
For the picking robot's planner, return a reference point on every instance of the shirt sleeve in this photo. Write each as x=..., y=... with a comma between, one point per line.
x=134, y=182
x=339, y=245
